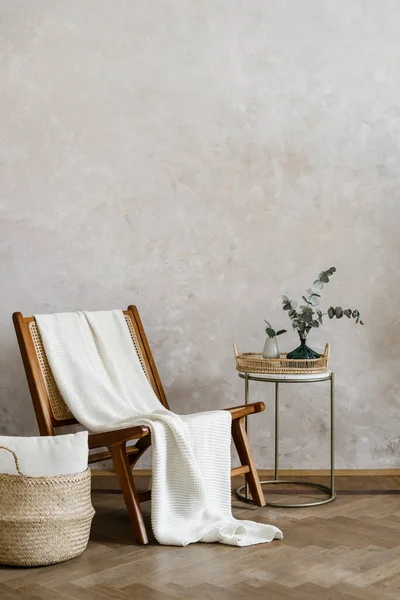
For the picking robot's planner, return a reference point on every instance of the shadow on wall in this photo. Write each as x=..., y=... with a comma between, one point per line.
x=17, y=416
x=200, y=395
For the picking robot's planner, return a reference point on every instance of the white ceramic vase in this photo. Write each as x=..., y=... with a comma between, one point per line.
x=271, y=348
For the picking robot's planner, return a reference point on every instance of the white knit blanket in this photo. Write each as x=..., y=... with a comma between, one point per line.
x=99, y=375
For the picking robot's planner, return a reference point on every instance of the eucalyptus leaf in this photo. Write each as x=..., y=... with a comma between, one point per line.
x=281, y=331
x=270, y=332
x=339, y=312
x=318, y=284
x=331, y=312
x=307, y=317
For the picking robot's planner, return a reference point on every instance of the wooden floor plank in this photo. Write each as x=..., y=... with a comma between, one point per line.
x=346, y=550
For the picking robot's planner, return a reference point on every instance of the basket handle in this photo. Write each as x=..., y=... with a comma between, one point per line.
x=327, y=350
x=235, y=350
x=15, y=458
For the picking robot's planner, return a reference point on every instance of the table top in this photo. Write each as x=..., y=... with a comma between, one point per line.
x=288, y=377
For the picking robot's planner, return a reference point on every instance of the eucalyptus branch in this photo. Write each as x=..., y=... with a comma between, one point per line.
x=307, y=316
x=271, y=332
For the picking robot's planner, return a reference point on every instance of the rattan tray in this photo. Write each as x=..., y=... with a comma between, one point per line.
x=254, y=362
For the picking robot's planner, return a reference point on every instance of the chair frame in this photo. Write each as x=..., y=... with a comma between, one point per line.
x=125, y=457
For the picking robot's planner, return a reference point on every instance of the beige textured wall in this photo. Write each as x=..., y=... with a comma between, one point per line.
x=200, y=159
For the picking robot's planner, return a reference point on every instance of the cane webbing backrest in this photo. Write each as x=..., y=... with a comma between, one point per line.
x=58, y=407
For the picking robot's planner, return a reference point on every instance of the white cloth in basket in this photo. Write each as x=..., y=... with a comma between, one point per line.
x=103, y=383
x=46, y=456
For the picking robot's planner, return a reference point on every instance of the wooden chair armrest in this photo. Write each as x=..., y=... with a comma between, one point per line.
x=120, y=436
x=246, y=409
x=115, y=438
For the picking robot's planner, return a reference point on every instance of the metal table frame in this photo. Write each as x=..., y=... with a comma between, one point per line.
x=329, y=376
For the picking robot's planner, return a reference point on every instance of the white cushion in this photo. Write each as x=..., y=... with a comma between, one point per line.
x=46, y=456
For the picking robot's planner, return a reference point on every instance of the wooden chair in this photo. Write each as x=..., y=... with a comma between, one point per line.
x=52, y=412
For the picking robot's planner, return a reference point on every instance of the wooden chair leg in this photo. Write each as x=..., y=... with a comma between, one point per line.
x=141, y=447
x=246, y=458
x=125, y=479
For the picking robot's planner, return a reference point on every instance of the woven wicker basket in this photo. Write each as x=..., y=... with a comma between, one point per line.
x=254, y=362
x=43, y=520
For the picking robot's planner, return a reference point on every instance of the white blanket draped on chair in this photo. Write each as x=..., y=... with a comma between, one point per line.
x=100, y=378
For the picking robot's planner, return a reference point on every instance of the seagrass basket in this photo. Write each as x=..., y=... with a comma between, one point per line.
x=254, y=362
x=43, y=520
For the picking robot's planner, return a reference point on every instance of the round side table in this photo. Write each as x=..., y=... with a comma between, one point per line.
x=277, y=379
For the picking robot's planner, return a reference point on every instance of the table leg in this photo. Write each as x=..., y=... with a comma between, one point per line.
x=246, y=401
x=276, y=431
x=329, y=490
x=332, y=434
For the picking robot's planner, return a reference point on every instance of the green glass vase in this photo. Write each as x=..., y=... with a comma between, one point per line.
x=302, y=352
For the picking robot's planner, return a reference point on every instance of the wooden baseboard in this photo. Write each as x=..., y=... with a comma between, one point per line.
x=326, y=472
x=268, y=473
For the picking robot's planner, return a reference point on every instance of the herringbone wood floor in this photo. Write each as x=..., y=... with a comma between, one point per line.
x=346, y=550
